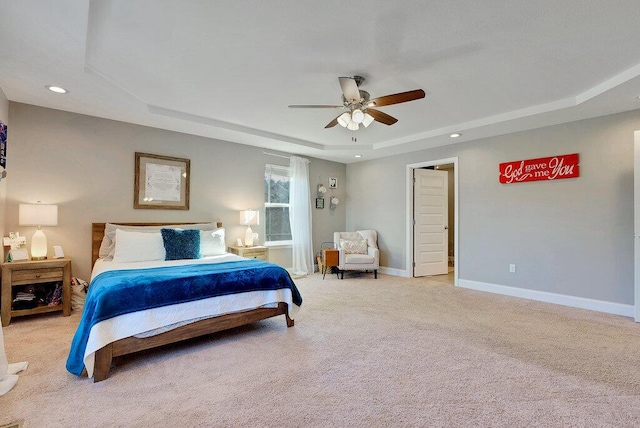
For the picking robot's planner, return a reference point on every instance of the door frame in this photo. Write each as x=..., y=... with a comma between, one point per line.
x=409, y=210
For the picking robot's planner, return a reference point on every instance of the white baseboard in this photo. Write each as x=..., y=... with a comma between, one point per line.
x=543, y=296
x=394, y=272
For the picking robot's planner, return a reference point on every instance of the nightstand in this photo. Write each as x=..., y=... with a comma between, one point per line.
x=17, y=274
x=256, y=252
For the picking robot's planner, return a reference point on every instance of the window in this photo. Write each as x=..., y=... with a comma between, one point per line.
x=276, y=204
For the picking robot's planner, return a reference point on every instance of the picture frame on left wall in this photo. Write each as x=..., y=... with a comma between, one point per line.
x=161, y=182
x=3, y=145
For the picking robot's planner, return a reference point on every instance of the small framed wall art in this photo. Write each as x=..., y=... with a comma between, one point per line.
x=333, y=183
x=319, y=203
x=3, y=145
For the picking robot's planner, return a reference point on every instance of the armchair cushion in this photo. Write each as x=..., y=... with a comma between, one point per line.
x=358, y=259
x=371, y=236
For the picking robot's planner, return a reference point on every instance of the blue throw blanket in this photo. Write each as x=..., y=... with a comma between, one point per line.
x=114, y=293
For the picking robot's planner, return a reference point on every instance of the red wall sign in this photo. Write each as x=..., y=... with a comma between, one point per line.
x=553, y=168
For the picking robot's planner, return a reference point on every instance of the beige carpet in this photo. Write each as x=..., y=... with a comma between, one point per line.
x=364, y=352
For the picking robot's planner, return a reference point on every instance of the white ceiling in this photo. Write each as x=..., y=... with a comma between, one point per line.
x=229, y=69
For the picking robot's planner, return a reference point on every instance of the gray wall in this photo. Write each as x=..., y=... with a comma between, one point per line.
x=86, y=165
x=572, y=236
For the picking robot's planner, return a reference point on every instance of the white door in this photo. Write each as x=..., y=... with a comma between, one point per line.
x=430, y=216
x=636, y=223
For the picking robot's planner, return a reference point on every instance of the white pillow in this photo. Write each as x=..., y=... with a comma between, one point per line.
x=108, y=244
x=138, y=246
x=212, y=242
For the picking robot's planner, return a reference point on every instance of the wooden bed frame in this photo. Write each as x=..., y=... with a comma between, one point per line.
x=129, y=345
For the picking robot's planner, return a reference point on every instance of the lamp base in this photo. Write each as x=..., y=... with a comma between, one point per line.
x=38, y=245
x=248, y=237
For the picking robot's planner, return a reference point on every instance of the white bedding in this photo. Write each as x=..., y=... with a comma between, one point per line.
x=154, y=321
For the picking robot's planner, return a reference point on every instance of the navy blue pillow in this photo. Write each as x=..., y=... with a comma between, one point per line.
x=181, y=244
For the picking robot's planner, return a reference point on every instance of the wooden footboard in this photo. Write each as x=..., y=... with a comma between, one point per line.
x=129, y=345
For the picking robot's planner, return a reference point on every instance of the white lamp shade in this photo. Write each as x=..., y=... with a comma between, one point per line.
x=352, y=126
x=249, y=217
x=357, y=116
x=368, y=119
x=37, y=215
x=344, y=119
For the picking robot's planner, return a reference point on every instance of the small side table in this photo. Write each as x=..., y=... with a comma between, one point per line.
x=330, y=259
x=35, y=272
x=257, y=252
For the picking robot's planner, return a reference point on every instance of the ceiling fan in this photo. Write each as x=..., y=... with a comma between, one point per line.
x=359, y=106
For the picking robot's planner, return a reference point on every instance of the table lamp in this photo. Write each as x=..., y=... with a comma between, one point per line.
x=249, y=218
x=38, y=215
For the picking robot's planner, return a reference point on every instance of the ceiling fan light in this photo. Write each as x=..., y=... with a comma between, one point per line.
x=368, y=119
x=353, y=126
x=344, y=119
x=357, y=116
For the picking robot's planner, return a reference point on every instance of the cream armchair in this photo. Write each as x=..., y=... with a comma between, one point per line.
x=357, y=251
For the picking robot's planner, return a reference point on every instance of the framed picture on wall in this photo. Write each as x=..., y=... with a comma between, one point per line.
x=333, y=183
x=3, y=145
x=161, y=182
x=320, y=203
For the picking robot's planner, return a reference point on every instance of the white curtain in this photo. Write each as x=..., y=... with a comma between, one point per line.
x=8, y=377
x=300, y=216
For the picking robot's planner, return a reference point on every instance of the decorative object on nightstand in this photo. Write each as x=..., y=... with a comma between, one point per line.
x=18, y=246
x=57, y=252
x=27, y=277
x=257, y=252
x=249, y=218
x=38, y=215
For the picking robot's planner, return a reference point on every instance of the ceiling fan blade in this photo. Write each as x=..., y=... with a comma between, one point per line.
x=333, y=123
x=401, y=97
x=349, y=88
x=313, y=106
x=381, y=117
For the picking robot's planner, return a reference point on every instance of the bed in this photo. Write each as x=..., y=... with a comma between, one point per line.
x=133, y=306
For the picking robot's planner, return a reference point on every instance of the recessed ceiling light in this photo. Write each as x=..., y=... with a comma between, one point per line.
x=357, y=156
x=56, y=89
x=455, y=135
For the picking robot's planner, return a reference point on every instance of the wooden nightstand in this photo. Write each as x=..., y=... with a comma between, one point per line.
x=256, y=252
x=16, y=274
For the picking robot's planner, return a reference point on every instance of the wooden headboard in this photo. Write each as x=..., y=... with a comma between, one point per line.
x=97, y=233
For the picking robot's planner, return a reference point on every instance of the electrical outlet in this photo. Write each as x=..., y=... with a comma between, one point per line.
x=512, y=268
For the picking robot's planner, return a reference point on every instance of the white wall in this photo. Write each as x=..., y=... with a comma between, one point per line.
x=572, y=237
x=86, y=166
